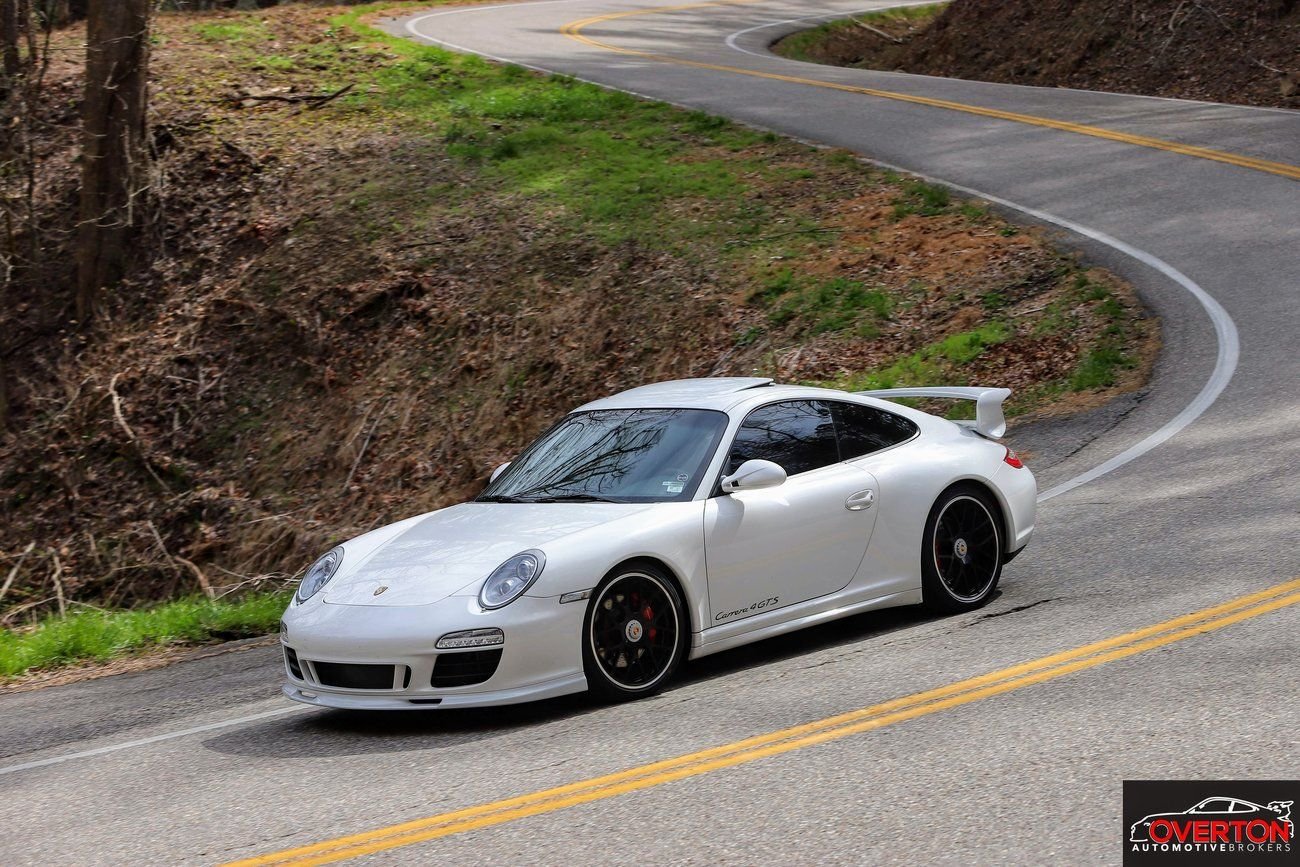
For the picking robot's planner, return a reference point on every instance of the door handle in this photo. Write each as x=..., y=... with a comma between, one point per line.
x=859, y=501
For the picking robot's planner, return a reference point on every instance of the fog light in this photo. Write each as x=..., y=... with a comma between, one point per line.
x=471, y=638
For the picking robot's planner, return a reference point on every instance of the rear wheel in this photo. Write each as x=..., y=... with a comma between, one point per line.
x=961, y=551
x=634, y=635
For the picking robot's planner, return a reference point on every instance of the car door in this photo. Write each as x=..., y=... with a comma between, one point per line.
x=770, y=548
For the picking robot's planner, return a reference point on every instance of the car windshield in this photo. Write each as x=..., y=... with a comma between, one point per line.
x=614, y=455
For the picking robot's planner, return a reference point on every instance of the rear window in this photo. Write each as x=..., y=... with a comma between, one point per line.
x=864, y=429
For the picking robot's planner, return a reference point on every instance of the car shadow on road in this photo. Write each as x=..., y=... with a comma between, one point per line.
x=316, y=733
x=867, y=626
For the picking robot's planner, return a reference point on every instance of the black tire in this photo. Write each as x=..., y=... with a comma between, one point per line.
x=961, y=550
x=635, y=633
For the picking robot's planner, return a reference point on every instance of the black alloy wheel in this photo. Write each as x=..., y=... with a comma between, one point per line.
x=635, y=633
x=961, y=552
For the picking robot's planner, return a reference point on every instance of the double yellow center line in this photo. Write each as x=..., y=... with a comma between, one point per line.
x=790, y=739
x=574, y=29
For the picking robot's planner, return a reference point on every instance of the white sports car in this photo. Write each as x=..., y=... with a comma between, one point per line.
x=662, y=524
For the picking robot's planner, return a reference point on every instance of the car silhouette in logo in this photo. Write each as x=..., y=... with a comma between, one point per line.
x=1217, y=808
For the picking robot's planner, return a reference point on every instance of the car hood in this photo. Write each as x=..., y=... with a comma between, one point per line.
x=449, y=552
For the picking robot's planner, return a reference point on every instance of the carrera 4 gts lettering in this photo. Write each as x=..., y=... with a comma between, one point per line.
x=756, y=606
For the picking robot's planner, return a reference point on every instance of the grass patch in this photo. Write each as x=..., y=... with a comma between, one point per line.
x=604, y=162
x=242, y=30
x=98, y=635
x=925, y=199
x=805, y=44
x=837, y=304
x=1100, y=367
x=938, y=362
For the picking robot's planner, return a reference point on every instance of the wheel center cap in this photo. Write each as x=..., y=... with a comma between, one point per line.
x=634, y=630
x=960, y=549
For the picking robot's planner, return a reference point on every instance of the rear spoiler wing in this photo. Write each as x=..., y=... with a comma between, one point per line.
x=989, y=420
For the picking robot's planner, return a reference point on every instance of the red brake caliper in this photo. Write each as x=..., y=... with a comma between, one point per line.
x=650, y=618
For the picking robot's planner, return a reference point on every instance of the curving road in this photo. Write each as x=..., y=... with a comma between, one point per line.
x=997, y=737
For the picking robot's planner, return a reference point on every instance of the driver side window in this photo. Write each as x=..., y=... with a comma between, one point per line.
x=797, y=434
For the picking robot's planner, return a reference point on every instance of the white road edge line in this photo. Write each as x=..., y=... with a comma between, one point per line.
x=1224, y=367
x=112, y=748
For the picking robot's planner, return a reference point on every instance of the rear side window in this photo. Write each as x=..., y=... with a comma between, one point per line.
x=865, y=429
x=797, y=434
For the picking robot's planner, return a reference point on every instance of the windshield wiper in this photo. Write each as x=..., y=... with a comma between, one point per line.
x=573, y=498
x=499, y=498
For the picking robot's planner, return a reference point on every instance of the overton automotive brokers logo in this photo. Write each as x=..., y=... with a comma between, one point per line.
x=1221, y=822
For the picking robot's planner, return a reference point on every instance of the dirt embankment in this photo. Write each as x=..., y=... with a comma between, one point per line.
x=1234, y=51
x=345, y=316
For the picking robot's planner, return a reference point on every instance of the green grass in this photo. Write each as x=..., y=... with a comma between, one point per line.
x=803, y=45
x=246, y=29
x=925, y=199
x=93, y=634
x=602, y=162
x=937, y=362
x=836, y=304
x=1100, y=367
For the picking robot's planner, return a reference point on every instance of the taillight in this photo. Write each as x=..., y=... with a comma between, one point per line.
x=1011, y=459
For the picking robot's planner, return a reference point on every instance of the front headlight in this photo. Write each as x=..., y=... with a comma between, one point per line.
x=509, y=580
x=320, y=574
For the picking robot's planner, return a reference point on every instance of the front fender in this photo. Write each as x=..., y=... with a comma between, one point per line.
x=670, y=533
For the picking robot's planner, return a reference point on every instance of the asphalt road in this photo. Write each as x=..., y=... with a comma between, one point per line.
x=1206, y=510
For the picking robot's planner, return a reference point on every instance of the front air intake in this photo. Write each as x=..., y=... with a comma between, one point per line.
x=465, y=669
x=351, y=675
x=291, y=659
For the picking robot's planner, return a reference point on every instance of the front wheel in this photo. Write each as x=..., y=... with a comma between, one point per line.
x=634, y=634
x=961, y=551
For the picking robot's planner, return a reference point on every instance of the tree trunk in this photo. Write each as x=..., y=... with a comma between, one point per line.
x=4, y=398
x=10, y=38
x=114, y=151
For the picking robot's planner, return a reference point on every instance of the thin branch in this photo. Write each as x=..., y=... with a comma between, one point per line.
x=745, y=242
x=312, y=100
x=58, y=585
x=130, y=434
x=365, y=443
x=13, y=573
x=878, y=32
x=204, y=584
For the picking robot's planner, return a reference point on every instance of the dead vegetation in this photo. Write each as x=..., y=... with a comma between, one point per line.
x=346, y=316
x=1235, y=51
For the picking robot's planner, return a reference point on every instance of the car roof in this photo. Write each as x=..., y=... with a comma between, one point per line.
x=719, y=393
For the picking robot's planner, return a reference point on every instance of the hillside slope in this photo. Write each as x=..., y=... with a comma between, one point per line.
x=349, y=314
x=1235, y=51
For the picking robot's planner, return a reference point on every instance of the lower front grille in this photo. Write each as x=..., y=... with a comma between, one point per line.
x=351, y=675
x=465, y=669
x=291, y=658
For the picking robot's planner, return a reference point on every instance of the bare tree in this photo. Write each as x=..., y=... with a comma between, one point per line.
x=11, y=30
x=114, y=149
x=19, y=89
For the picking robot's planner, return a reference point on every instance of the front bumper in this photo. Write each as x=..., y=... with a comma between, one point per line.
x=541, y=656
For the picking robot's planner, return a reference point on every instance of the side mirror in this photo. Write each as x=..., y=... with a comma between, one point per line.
x=752, y=475
x=498, y=471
